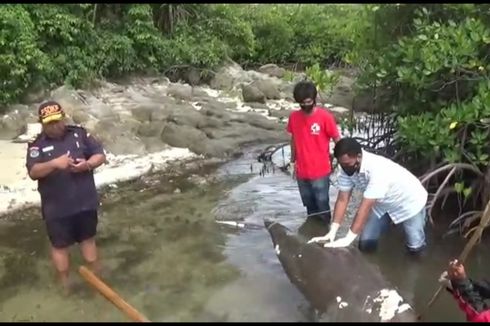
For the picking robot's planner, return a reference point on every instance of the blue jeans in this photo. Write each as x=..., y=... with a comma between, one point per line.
x=414, y=229
x=315, y=196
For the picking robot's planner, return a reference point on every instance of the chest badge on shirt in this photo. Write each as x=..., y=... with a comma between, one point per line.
x=315, y=129
x=34, y=152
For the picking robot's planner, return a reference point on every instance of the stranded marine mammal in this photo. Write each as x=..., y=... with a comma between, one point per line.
x=339, y=283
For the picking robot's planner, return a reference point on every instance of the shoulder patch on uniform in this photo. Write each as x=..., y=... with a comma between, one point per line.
x=33, y=151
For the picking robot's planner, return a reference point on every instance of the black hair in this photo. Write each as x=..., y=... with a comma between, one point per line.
x=303, y=90
x=348, y=146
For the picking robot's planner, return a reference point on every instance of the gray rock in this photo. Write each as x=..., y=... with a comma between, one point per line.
x=142, y=113
x=15, y=121
x=260, y=106
x=70, y=100
x=185, y=115
x=151, y=128
x=183, y=136
x=199, y=94
x=280, y=113
x=228, y=77
x=192, y=76
x=182, y=92
x=252, y=94
x=211, y=122
x=268, y=88
x=153, y=144
x=80, y=117
x=160, y=114
x=119, y=137
x=272, y=70
x=256, y=120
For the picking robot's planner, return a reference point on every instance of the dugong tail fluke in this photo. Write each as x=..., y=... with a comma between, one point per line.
x=339, y=283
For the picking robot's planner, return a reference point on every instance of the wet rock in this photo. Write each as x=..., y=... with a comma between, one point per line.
x=192, y=76
x=145, y=111
x=14, y=123
x=183, y=136
x=272, y=70
x=227, y=77
x=252, y=94
x=80, y=117
x=151, y=128
x=198, y=92
x=280, y=113
x=185, y=115
x=211, y=122
x=69, y=99
x=256, y=120
x=268, y=88
x=260, y=106
x=119, y=137
x=183, y=92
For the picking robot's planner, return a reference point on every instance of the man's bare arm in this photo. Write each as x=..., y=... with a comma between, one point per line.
x=96, y=160
x=362, y=215
x=341, y=206
x=293, y=152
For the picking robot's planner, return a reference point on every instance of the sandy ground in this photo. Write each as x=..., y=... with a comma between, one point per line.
x=12, y=163
x=18, y=191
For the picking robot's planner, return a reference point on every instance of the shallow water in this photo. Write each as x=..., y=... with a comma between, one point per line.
x=163, y=252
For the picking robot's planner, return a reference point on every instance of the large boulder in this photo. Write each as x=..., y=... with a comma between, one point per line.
x=272, y=70
x=280, y=114
x=151, y=128
x=185, y=115
x=119, y=137
x=149, y=111
x=179, y=91
x=229, y=76
x=252, y=94
x=268, y=88
x=15, y=121
x=256, y=120
x=183, y=136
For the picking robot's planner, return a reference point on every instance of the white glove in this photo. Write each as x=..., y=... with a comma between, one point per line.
x=330, y=236
x=342, y=242
x=445, y=281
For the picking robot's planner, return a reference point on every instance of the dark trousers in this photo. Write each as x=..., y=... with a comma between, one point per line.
x=315, y=197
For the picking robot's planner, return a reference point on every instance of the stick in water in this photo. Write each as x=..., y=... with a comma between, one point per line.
x=112, y=296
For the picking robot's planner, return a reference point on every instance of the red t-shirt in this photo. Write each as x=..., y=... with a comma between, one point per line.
x=312, y=134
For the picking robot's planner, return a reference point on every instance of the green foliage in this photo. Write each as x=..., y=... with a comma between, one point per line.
x=21, y=61
x=324, y=80
x=458, y=133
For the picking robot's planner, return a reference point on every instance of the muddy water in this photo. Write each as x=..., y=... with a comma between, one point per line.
x=163, y=252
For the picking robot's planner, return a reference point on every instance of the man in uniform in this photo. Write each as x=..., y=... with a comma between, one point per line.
x=62, y=159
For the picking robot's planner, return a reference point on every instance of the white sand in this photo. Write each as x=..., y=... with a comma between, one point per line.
x=18, y=191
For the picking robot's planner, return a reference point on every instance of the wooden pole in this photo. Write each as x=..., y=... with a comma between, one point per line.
x=111, y=295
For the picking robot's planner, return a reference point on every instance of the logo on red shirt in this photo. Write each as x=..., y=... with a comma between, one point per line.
x=315, y=129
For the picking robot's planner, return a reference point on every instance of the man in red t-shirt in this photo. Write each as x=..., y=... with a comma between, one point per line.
x=311, y=129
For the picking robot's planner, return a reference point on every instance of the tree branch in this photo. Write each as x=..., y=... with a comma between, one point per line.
x=462, y=166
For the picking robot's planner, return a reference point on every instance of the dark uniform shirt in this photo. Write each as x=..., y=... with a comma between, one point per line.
x=65, y=193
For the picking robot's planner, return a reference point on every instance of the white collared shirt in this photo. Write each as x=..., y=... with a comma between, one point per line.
x=396, y=190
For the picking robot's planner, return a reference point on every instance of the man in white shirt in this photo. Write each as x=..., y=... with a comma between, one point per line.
x=390, y=193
